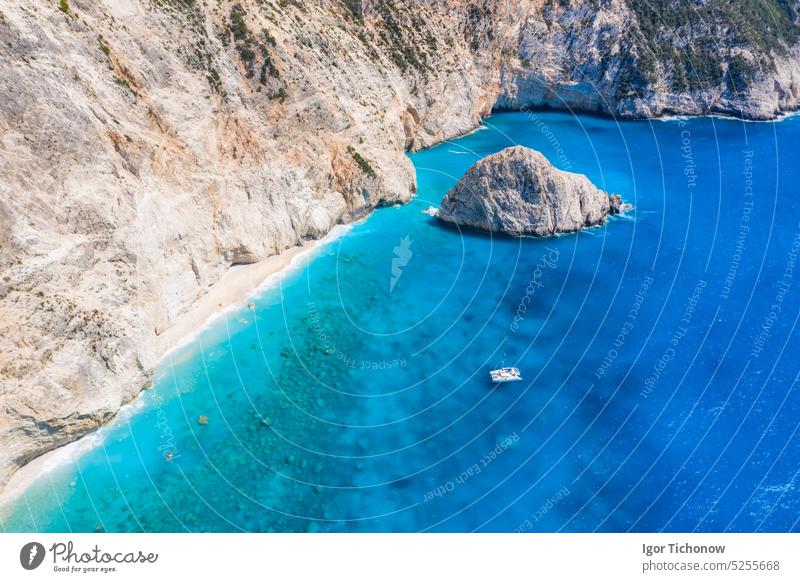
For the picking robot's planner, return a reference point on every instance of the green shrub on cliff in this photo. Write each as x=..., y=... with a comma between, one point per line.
x=362, y=163
x=237, y=24
x=739, y=74
x=355, y=9
x=249, y=46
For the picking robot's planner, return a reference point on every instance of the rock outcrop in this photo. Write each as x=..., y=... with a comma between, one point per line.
x=148, y=145
x=518, y=192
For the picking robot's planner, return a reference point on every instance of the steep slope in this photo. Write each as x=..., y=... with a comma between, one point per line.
x=147, y=146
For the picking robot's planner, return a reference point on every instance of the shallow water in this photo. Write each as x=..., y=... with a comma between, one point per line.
x=659, y=356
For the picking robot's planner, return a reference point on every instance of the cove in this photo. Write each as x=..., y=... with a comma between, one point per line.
x=659, y=356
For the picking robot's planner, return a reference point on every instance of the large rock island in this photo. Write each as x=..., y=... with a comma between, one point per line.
x=517, y=191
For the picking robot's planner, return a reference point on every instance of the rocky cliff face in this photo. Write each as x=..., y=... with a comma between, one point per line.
x=147, y=145
x=643, y=58
x=518, y=192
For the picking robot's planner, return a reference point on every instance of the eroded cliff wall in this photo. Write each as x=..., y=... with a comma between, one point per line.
x=643, y=58
x=147, y=145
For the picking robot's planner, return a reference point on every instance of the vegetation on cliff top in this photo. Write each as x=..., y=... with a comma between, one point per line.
x=401, y=29
x=700, y=44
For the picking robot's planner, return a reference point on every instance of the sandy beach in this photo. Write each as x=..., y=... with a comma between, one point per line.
x=234, y=288
x=229, y=293
x=40, y=466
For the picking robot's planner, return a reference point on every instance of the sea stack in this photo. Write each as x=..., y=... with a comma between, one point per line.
x=518, y=192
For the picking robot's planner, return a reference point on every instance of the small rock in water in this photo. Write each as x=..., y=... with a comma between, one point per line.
x=615, y=204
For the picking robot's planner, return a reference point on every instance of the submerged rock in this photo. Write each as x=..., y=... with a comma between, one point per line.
x=517, y=191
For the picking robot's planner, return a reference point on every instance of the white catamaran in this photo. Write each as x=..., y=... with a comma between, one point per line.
x=505, y=375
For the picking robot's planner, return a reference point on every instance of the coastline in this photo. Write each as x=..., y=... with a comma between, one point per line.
x=230, y=293
x=66, y=454
x=237, y=285
x=777, y=117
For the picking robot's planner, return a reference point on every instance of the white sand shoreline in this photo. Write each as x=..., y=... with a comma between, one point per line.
x=229, y=294
x=233, y=290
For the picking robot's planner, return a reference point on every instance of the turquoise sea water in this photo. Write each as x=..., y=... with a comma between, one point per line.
x=660, y=357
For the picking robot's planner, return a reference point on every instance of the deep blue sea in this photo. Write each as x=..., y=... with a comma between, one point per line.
x=660, y=355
